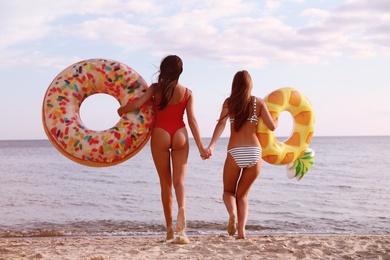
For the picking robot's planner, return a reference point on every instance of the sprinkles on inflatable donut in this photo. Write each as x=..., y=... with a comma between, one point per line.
x=61, y=113
x=294, y=151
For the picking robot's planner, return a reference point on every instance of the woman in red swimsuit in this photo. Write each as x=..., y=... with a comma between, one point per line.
x=169, y=139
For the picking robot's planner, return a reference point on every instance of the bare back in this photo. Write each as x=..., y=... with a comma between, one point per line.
x=178, y=94
x=247, y=134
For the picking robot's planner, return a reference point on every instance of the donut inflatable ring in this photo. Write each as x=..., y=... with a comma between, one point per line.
x=61, y=113
x=294, y=152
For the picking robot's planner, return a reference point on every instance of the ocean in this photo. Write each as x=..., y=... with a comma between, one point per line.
x=44, y=194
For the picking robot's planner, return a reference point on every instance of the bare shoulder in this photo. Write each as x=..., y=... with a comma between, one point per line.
x=179, y=92
x=189, y=93
x=260, y=104
x=180, y=87
x=225, y=103
x=154, y=88
x=183, y=90
x=260, y=101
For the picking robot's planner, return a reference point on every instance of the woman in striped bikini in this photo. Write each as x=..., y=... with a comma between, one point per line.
x=243, y=160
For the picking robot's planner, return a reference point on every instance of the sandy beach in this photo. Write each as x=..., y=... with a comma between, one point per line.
x=200, y=247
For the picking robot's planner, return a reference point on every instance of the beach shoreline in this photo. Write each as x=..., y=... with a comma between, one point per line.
x=200, y=247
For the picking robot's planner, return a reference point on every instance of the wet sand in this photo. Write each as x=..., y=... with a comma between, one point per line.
x=199, y=247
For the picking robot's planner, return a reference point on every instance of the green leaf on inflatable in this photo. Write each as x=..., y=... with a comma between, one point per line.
x=300, y=166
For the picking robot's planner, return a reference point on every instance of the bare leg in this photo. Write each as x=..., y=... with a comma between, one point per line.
x=160, y=144
x=180, y=149
x=231, y=174
x=249, y=175
x=232, y=224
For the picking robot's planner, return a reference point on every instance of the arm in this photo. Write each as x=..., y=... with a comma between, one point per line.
x=131, y=106
x=193, y=124
x=220, y=127
x=266, y=116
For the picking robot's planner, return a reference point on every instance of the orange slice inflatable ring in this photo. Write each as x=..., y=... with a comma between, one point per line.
x=293, y=152
x=61, y=113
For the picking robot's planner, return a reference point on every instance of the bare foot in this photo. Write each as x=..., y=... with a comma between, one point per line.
x=181, y=238
x=232, y=225
x=181, y=220
x=170, y=233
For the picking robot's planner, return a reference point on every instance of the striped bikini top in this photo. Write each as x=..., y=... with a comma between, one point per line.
x=253, y=118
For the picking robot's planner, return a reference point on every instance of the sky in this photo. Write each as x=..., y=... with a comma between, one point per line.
x=336, y=52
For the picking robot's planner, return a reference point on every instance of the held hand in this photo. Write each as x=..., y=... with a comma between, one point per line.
x=210, y=151
x=205, y=154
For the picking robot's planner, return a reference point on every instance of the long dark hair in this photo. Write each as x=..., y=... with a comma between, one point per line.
x=239, y=102
x=170, y=69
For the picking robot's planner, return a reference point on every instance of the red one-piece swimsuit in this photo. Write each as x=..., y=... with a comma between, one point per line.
x=171, y=117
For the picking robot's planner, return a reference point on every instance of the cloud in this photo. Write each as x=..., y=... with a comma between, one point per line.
x=355, y=29
x=245, y=32
x=22, y=23
x=315, y=14
x=115, y=7
x=109, y=30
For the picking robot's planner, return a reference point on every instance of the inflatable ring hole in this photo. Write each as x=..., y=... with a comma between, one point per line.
x=285, y=127
x=99, y=112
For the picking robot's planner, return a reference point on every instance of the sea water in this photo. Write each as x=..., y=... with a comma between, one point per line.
x=43, y=193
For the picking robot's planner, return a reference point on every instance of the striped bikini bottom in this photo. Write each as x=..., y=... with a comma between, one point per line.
x=245, y=156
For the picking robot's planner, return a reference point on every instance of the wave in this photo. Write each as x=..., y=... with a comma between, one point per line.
x=108, y=228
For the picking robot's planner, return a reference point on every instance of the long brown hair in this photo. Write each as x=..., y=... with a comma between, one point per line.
x=170, y=69
x=239, y=103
